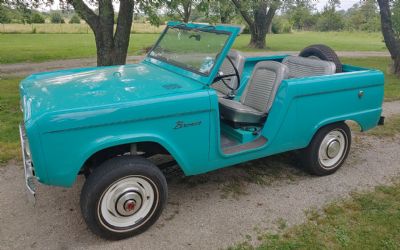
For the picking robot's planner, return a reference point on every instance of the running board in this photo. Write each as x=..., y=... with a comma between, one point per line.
x=260, y=141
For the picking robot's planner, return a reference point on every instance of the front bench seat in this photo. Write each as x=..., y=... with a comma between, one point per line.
x=257, y=97
x=304, y=67
x=238, y=60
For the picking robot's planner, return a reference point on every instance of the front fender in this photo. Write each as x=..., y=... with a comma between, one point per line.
x=108, y=142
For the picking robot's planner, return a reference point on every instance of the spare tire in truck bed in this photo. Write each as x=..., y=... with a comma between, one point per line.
x=322, y=52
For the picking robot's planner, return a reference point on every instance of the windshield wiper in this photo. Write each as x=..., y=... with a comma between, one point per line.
x=206, y=27
x=181, y=25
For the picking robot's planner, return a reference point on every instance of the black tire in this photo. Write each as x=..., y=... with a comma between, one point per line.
x=103, y=182
x=311, y=158
x=323, y=52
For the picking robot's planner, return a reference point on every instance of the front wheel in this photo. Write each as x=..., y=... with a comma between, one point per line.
x=123, y=197
x=328, y=149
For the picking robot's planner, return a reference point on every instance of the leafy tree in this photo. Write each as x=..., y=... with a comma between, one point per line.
x=56, y=18
x=299, y=13
x=37, y=18
x=390, y=21
x=280, y=25
x=4, y=15
x=330, y=19
x=363, y=16
x=258, y=15
x=183, y=8
x=75, y=19
x=219, y=11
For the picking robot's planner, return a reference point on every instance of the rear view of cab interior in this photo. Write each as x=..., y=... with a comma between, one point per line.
x=247, y=93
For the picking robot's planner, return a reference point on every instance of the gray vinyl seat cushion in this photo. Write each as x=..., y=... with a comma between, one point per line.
x=258, y=96
x=304, y=67
x=227, y=68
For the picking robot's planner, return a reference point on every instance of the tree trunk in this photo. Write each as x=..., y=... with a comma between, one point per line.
x=123, y=31
x=104, y=33
x=397, y=66
x=224, y=19
x=270, y=28
x=391, y=42
x=187, y=11
x=258, y=36
x=111, y=48
x=262, y=22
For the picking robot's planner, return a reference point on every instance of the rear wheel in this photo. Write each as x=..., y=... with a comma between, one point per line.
x=328, y=149
x=123, y=197
x=322, y=52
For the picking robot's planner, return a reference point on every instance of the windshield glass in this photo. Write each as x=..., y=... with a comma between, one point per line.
x=196, y=50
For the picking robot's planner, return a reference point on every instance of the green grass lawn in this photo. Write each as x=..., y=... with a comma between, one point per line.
x=367, y=221
x=10, y=116
x=16, y=48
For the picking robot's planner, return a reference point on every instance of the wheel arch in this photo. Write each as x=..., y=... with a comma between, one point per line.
x=357, y=124
x=108, y=148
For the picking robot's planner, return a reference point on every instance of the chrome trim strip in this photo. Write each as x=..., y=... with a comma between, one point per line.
x=28, y=169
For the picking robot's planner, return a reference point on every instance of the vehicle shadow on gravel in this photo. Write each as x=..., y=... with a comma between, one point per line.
x=232, y=182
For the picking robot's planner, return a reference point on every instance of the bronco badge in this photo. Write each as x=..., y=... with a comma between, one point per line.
x=182, y=124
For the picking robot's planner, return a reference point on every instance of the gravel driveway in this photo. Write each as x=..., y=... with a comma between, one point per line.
x=210, y=211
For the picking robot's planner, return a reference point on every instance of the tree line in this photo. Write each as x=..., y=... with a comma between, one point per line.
x=291, y=15
x=30, y=16
x=112, y=23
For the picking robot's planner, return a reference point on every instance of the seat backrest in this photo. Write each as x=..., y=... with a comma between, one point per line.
x=227, y=68
x=304, y=67
x=263, y=84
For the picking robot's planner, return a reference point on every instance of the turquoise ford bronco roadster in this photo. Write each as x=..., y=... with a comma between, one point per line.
x=197, y=101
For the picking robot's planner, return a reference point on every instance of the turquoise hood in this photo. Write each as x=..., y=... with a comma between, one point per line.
x=90, y=88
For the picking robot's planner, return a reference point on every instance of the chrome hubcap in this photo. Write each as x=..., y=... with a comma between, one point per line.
x=332, y=149
x=127, y=203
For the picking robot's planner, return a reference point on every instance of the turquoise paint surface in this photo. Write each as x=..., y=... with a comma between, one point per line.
x=71, y=114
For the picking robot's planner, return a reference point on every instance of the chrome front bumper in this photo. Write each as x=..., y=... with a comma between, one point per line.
x=28, y=166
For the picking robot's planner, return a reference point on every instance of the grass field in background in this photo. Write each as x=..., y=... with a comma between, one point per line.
x=16, y=48
x=83, y=28
x=340, y=41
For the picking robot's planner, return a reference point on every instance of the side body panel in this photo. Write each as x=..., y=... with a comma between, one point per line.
x=182, y=128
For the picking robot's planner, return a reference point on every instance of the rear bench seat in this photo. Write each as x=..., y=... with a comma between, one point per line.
x=304, y=67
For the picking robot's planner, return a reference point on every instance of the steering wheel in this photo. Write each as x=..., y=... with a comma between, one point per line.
x=222, y=77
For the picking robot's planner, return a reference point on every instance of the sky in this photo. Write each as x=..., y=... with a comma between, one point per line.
x=345, y=4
